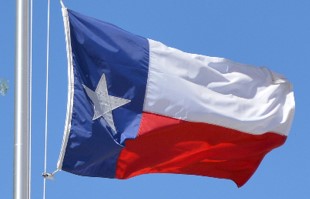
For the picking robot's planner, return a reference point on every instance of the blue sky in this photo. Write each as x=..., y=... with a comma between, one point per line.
x=274, y=34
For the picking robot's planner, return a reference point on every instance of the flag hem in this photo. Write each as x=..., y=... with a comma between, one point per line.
x=70, y=87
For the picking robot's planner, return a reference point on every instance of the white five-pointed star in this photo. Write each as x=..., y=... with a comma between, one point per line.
x=104, y=103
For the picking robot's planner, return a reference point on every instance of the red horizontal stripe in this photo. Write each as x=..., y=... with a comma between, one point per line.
x=166, y=145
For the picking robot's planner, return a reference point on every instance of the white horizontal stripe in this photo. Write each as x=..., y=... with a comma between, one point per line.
x=217, y=91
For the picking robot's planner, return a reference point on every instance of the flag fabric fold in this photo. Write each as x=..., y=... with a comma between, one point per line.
x=136, y=106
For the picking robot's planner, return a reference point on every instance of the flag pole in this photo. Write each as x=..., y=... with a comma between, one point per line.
x=21, y=120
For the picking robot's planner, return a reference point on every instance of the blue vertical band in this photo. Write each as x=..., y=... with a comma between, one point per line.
x=101, y=48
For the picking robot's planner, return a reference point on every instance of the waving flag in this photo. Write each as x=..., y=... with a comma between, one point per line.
x=136, y=106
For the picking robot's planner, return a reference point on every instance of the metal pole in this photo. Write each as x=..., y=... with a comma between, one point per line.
x=21, y=138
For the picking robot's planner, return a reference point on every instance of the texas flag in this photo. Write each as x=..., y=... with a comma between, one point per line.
x=136, y=106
